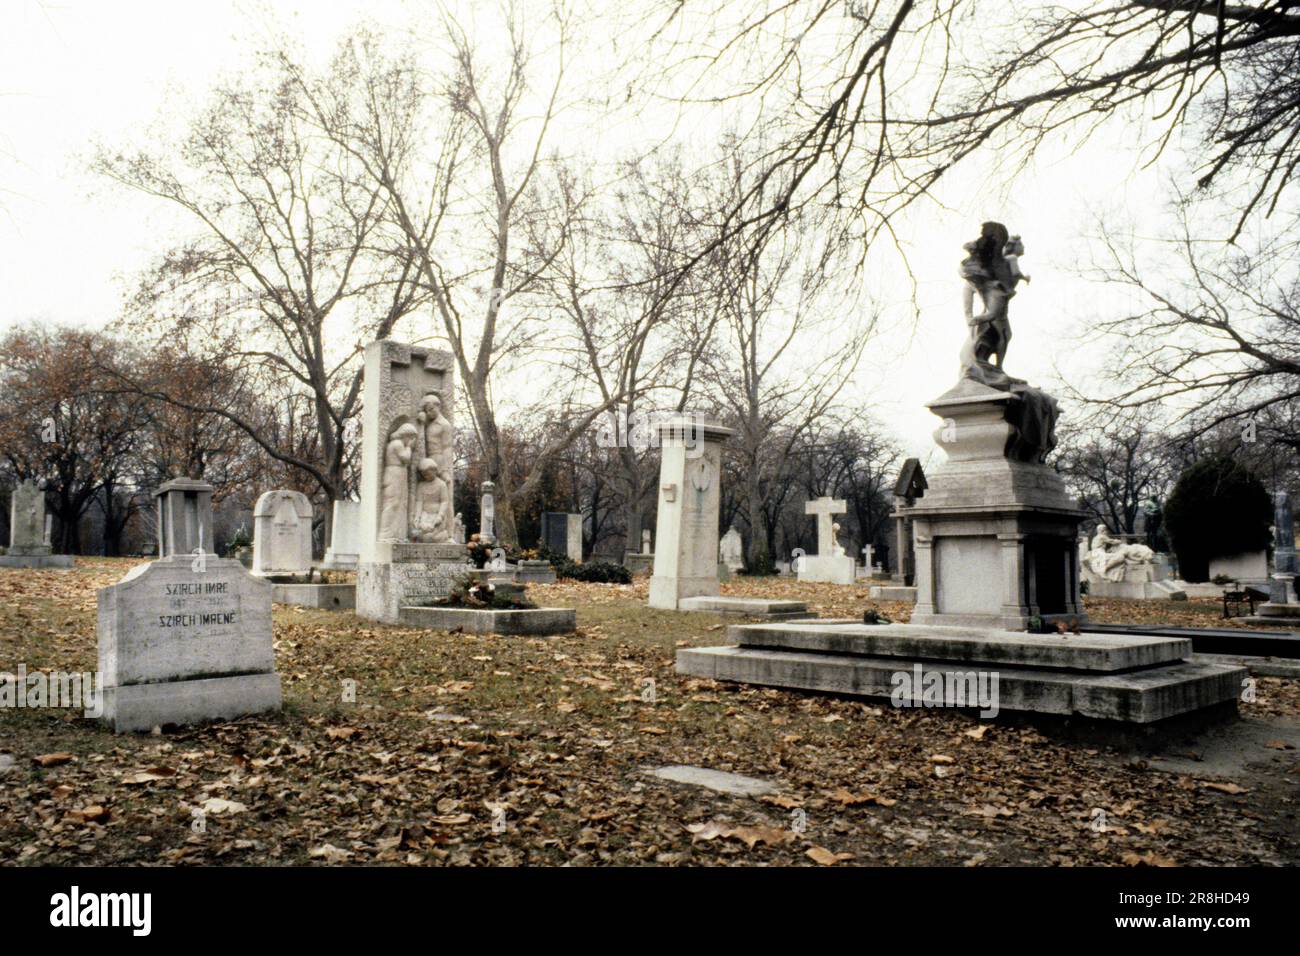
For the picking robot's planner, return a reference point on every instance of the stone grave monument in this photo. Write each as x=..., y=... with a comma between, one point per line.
x=29, y=531
x=345, y=536
x=995, y=552
x=185, y=638
x=1282, y=603
x=731, y=550
x=830, y=564
x=282, y=535
x=686, y=529
x=995, y=534
x=407, y=553
x=562, y=534
x=1114, y=568
x=643, y=561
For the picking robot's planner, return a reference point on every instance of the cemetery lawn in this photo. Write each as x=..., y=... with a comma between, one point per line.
x=500, y=751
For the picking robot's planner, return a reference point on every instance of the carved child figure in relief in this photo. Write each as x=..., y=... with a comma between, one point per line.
x=439, y=436
x=432, y=505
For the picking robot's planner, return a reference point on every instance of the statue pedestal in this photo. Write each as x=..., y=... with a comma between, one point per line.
x=414, y=576
x=995, y=534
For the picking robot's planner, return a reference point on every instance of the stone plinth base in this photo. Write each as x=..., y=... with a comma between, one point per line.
x=747, y=606
x=339, y=562
x=536, y=622
x=667, y=593
x=47, y=560
x=141, y=707
x=996, y=532
x=828, y=568
x=1126, y=678
x=1135, y=590
x=892, y=592
x=535, y=572
x=330, y=597
x=425, y=574
x=638, y=563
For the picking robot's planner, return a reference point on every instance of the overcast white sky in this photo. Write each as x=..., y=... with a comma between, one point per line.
x=76, y=71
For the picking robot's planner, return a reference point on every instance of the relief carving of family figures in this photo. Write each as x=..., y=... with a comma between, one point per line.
x=416, y=490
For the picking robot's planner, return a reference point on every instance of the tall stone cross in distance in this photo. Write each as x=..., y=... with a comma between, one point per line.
x=824, y=509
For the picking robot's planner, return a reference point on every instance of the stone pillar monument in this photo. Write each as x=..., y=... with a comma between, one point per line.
x=408, y=555
x=1282, y=598
x=686, y=529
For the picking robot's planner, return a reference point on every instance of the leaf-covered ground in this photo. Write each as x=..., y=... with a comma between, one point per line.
x=489, y=751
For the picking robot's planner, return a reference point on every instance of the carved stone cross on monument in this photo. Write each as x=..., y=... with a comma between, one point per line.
x=825, y=509
x=868, y=552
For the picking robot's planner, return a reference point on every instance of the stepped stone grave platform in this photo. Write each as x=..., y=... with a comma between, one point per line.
x=532, y=622
x=892, y=592
x=326, y=597
x=747, y=607
x=1127, y=678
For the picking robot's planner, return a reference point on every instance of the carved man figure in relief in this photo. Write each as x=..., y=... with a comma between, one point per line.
x=394, y=522
x=432, y=505
x=439, y=437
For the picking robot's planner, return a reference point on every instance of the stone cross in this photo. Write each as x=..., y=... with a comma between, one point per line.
x=868, y=552
x=824, y=508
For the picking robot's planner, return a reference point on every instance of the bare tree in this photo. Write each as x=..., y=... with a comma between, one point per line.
x=861, y=130
x=1216, y=337
x=486, y=176
x=287, y=254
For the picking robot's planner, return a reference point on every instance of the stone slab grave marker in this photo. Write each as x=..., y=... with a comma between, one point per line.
x=830, y=564
x=562, y=534
x=29, y=538
x=408, y=555
x=282, y=535
x=345, y=537
x=185, y=638
x=731, y=550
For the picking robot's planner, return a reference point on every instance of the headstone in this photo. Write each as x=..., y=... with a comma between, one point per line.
x=645, y=541
x=186, y=638
x=345, y=536
x=487, y=513
x=562, y=534
x=282, y=535
x=731, y=550
x=408, y=555
x=830, y=564
x=686, y=531
x=29, y=531
x=909, y=487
